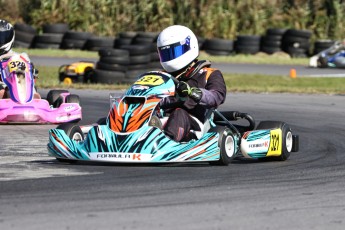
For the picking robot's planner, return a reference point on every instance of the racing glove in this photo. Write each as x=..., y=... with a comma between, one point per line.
x=184, y=90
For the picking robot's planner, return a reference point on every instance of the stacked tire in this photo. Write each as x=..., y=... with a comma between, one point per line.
x=148, y=39
x=24, y=35
x=321, y=45
x=139, y=61
x=271, y=42
x=296, y=43
x=75, y=40
x=112, y=66
x=52, y=36
x=218, y=46
x=247, y=44
x=98, y=43
x=124, y=38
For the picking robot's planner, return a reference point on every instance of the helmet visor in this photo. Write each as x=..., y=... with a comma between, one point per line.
x=170, y=52
x=6, y=36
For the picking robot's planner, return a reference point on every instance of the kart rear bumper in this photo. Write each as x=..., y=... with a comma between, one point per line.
x=38, y=111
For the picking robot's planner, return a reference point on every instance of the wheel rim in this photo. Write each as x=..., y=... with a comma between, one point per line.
x=77, y=137
x=229, y=146
x=67, y=81
x=288, y=141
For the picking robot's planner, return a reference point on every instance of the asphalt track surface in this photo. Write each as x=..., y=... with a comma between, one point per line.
x=266, y=69
x=304, y=192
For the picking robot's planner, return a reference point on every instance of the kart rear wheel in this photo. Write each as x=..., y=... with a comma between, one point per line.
x=227, y=145
x=53, y=96
x=73, y=98
x=287, y=137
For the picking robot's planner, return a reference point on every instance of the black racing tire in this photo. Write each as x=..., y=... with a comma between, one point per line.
x=53, y=95
x=226, y=144
x=113, y=52
x=72, y=130
x=77, y=35
x=121, y=60
x=137, y=49
x=57, y=28
x=107, y=42
x=244, y=40
x=19, y=44
x=122, y=41
x=287, y=138
x=68, y=43
x=73, y=98
x=108, y=77
x=140, y=59
x=24, y=28
x=111, y=67
x=24, y=37
x=218, y=44
x=49, y=38
x=88, y=75
x=298, y=33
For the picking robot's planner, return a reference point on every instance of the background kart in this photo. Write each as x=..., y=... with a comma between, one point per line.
x=132, y=133
x=21, y=107
x=77, y=72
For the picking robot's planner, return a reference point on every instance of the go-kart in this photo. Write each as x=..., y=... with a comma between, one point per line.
x=132, y=133
x=77, y=72
x=20, y=105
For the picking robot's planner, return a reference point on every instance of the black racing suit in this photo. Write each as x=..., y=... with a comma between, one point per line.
x=211, y=82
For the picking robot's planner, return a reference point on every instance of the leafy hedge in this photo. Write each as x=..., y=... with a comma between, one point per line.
x=208, y=18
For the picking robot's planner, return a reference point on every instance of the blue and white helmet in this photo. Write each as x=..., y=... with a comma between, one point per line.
x=177, y=47
x=6, y=36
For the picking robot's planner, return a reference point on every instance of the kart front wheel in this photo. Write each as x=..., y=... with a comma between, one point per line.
x=287, y=137
x=73, y=131
x=227, y=145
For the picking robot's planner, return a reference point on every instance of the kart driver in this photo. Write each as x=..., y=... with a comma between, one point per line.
x=6, y=42
x=199, y=89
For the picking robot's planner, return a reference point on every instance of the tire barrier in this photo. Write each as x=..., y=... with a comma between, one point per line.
x=24, y=35
x=218, y=46
x=271, y=42
x=321, y=45
x=247, y=44
x=296, y=42
x=51, y=37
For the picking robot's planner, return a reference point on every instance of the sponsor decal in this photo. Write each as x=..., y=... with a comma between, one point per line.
x=121, y=157
x=69, y=108
x=275, y=148
x=140, y=87
x=259, y=145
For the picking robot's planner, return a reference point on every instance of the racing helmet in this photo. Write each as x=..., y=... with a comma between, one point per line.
x=6, y=36
x=177, y=47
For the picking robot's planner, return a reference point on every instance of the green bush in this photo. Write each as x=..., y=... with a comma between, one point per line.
x=208, y=18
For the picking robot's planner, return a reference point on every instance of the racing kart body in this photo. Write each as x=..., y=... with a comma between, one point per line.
x=21, y=107
x=132, y=133
x=333, y=57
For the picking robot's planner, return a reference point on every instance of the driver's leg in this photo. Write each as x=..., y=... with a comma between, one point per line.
x=179, y=125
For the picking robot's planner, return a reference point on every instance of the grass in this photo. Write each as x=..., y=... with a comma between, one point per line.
x=259, y=58
x=235, y=83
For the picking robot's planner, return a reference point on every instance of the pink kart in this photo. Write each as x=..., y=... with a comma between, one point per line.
x=22, y=107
